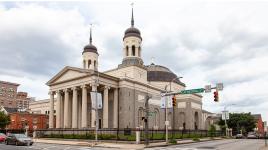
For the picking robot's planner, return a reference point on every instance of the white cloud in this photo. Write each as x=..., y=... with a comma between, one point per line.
x=206, y=42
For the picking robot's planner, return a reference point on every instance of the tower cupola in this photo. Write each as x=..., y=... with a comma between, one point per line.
x=90, y=55
x=132, y=45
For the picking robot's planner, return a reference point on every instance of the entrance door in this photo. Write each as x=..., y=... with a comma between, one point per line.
x=99, y=123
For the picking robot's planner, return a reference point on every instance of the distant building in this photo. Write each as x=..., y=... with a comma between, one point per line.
x=19, y=120
x=9, y=97
x=8, y=93
x=210, y=119
x=259, y=124
x=41, y=107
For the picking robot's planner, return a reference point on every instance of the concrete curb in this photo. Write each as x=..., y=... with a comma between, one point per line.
x=188, y=142
x=116, y=145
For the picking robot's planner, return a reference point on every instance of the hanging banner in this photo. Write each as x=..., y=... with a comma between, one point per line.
x=96, y=97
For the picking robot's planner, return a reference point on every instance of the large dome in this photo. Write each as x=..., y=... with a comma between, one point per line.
x=132, y=31
x=161, y=73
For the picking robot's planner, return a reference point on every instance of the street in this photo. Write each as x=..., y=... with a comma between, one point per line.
x=232, y=144
x=44, y=146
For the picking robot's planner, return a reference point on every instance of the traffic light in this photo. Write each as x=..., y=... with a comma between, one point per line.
x=174, y=101
x=216, y=96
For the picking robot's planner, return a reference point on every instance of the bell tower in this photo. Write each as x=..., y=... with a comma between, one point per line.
x=90, y=55
x=132, y=41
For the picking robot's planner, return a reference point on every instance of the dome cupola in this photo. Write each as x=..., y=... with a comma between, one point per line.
x=90, y=47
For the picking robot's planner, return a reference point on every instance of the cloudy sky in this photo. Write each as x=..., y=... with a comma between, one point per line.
x=204, y=41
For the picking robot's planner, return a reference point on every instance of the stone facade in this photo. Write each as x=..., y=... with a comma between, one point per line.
x=123, y=91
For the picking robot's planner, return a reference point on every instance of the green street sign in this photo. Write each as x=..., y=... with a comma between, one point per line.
x=192, y=91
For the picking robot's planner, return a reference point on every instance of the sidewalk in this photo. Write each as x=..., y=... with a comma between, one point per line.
x=115, y=145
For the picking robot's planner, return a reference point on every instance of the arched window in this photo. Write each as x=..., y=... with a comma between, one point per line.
x=95, y=65
x=133, y=50
x=89, y=63
x=127, y=51
x=139, y=52
x=196, y=121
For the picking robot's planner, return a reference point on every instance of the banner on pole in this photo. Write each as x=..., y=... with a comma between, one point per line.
x=166, y=100
x=96, y=97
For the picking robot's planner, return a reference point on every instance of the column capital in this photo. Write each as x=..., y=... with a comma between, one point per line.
x=107, y=87
x=66, y=90
x=51, y=92
x=94, y=84
x=83, y=86
x=74, y=88
x=59, y=91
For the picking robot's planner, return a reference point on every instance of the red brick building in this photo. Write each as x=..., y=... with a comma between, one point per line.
x=259, y=124
x=20, y=119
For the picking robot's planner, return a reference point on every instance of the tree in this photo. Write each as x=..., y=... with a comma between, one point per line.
x=239, y=121
x=4, y=120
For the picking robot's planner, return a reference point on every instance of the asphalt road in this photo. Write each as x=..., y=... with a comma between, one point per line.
x=43, y=146
x=232, y=144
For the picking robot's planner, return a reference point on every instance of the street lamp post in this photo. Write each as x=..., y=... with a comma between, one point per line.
x=173, y=109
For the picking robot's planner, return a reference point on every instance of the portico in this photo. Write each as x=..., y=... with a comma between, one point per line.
x=74, y=104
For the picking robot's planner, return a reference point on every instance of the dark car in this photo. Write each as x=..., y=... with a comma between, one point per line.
x=2, y=137
x=18, y=139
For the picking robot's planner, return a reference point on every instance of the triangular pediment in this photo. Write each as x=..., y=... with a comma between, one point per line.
x=67, y=74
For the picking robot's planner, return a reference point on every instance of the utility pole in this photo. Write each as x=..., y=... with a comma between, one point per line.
x=146, y=120
x=166, y=116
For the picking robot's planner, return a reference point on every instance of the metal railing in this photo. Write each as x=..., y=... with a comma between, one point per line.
x=126, y=134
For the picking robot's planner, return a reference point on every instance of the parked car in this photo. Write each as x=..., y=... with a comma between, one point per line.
x=2, y=137
x=239, y=136
x=18, y=139
x=252, y=135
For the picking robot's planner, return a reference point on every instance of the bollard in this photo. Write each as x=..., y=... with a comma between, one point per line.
x=34, y=134
x=138, y=137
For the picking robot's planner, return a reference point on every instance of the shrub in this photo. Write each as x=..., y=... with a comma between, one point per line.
x=196, y=139
x=173, y=141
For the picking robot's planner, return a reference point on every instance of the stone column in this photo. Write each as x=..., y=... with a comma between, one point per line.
x=105, y=107
x=74, y=109
x=58, y=110
x=62, y=111
x=79, y=110
x=93, y=112
x=51, y=110
x=66, y=109
x=84, y=107
x=115, y=113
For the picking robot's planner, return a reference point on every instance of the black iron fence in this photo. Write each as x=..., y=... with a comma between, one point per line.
x=124, y=134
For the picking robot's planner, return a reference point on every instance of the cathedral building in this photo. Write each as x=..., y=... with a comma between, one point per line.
x=123, y=91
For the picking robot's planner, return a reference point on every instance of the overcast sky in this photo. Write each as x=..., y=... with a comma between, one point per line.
x=204, y=41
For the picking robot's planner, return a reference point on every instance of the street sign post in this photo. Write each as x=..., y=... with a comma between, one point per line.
x=225, y=115
x=166, y=100
x=219, y=86
x=192, y=91
x=208, y=88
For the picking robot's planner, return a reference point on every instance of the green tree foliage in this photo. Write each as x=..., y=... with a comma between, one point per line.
x=4, y=120
x=212, y=130
x=240, y=121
